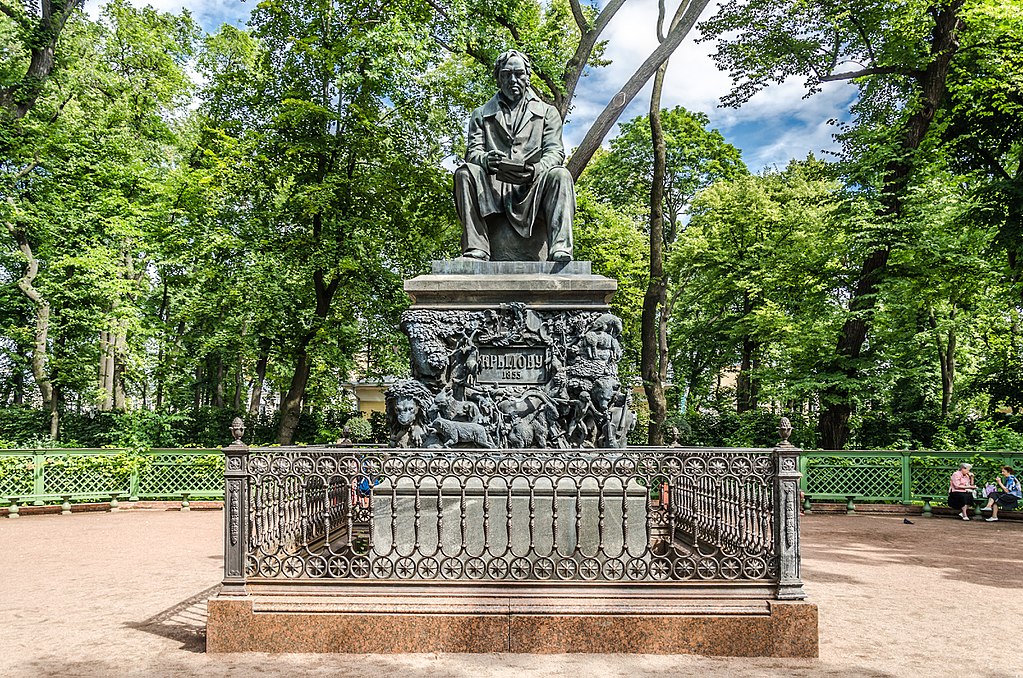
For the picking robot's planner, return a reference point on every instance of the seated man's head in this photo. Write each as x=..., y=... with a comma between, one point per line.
x=512, y=74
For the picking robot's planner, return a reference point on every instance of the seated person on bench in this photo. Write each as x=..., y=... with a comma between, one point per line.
x=1009, y=496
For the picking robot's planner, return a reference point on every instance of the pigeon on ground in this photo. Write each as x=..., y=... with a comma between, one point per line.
x=907, y=521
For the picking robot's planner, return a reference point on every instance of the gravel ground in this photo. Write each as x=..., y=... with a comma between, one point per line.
x=124, y=595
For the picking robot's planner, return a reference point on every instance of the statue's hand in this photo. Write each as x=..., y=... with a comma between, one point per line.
x=490, y=161
x=525, y=175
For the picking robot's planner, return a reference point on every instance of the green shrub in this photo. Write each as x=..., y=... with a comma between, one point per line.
x=359, y=429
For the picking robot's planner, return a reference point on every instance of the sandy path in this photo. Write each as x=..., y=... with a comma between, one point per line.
x=121, y=595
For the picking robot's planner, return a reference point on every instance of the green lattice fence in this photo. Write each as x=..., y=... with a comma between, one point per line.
x=904, y=476
x=97, y=474
x=42, y=476
x=172, y=473
x=869, y=476
x=17, y=474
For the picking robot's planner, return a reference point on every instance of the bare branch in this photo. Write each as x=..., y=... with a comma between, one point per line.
x=607, y=118
x=660, y=20
x=587, y=41
x=878, y=70
x=992, y=161
x=606, y=15
x=510, y=26
x=580, y=18
x=439, y=8
x=864, y=37
x=25, y=172
x=551, y=84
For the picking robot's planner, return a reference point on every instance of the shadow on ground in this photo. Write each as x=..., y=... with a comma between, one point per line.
x=184, y=622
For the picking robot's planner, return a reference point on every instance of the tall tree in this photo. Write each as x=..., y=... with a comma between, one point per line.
x=343, y=120
x=900, y=56
x=659, y=187
x=89, y=154
x=763, y=258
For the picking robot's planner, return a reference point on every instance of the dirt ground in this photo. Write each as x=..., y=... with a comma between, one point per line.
x=123, y=595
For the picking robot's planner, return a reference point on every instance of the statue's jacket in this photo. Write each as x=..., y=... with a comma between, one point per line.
x=536, y=142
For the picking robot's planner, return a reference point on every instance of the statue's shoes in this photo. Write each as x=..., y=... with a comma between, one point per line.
x=561, y=257
x=478, y=255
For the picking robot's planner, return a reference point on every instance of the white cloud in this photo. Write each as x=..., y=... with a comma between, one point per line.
x=790, y=125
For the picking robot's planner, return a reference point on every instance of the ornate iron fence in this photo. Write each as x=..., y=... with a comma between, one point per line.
x=646, y=515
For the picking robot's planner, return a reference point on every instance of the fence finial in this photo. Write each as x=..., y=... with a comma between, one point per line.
x=237, y=430
x=784, y=430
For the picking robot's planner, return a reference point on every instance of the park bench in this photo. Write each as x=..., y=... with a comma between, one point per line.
x=14, y=501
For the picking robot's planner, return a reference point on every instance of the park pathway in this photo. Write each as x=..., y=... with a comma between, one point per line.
x=123, y=595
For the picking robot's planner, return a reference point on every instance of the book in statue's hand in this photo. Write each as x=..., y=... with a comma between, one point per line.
x=506, y=165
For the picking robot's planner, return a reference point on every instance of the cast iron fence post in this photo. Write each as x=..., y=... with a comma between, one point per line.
x=786, y=515
x=236, y=512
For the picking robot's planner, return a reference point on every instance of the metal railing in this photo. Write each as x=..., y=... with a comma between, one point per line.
x=40, y=476
x=43, y=475
x=637, y=516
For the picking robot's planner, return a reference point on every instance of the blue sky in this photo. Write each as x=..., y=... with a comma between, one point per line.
x=778, y=124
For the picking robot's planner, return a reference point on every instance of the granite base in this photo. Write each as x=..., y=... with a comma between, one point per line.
x=384, y=622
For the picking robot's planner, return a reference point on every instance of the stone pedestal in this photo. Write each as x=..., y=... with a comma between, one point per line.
x=539, y=285
x=511, y=354
x=718, y=620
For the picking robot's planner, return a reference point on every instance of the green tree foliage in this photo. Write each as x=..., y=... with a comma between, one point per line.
x=905, y=59
x=83, y=186
x=177, y=250
x=609, y=238
x=761, y=259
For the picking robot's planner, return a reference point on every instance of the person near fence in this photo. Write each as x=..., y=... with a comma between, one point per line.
x=960, y=490
x=1009, y=496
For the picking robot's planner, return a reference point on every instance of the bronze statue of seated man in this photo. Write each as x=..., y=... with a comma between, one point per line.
x=513, y=195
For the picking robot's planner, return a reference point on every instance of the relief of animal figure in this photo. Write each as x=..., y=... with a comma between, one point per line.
x=520, y=433
x=408, y=404
x=452, y=433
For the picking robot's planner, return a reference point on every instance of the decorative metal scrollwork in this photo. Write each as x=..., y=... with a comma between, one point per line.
x=512, y=515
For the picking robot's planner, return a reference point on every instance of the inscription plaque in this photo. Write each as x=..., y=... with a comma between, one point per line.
x=512, y=365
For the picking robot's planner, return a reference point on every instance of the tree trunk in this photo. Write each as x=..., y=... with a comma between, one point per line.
x=946, y=359
x=291, y=406
x=18, y=380
x=257, y=384
x=239, y=382
x=18, y=98
x=40, y=351
x=836, y=400
x=746, y=390
x=657, y=286
x=218, y=387
x=117, y=378
x=105, y=382
x=55, y=414
x=746, y=383
x=197, y=394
